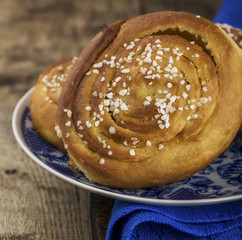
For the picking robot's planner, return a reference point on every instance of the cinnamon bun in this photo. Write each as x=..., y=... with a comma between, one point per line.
x=149, y=101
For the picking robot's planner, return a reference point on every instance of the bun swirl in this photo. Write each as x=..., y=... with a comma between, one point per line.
x=151, y=100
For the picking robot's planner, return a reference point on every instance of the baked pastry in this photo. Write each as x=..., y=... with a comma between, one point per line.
x=236, y=35
x=54, y=77
x=151, y=100
x=130, y=143
x=45, y=98
x=49, y=86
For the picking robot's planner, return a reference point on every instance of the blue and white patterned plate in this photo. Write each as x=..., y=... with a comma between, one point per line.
x=219, y=182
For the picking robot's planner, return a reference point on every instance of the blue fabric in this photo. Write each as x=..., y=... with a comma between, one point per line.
x=131, y=221
x=144, y=222
x=230, y=13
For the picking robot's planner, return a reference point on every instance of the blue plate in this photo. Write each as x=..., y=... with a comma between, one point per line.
x=219, y=182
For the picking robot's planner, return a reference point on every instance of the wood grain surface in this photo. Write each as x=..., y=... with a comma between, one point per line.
x=34, y=204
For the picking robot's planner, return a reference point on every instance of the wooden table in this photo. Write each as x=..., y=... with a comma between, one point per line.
x=34, y=204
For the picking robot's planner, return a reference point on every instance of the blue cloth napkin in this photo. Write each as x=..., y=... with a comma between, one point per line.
x=143, y=222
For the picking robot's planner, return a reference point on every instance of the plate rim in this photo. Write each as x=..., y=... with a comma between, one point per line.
x=16, y=117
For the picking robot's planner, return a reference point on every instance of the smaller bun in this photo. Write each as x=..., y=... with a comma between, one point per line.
x=236, y=35
x=45, y=99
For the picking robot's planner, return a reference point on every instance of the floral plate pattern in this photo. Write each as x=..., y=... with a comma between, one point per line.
x=219, y=182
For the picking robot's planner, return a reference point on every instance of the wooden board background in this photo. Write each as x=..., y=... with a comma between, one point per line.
x=34, y=204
